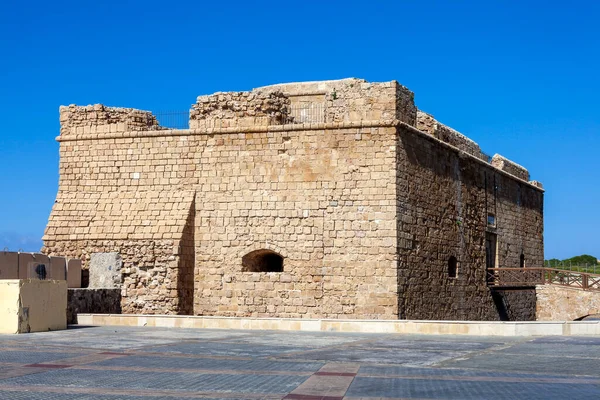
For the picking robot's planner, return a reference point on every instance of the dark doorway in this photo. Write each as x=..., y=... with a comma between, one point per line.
x=490, y=257
x=452, y=267
x=490, y=250
x=522, y=261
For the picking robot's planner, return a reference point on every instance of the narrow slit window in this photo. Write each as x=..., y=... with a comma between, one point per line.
x=452, y=267
x=522, y=261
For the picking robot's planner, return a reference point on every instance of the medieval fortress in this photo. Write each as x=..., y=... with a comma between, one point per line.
x=333, y=199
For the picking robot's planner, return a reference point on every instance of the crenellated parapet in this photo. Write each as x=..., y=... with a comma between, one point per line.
x=97, y=119
x=506, y=165
x=349, y=100
x=428, y=124
x=245, y=109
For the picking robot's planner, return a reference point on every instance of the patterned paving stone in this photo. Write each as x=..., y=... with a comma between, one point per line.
x=25, y=357
x=463, y=390
x=541, y=363
x=13, y=395
x=136, y=363
x=396, y=344
x=207, y=363
x=379, y=355
x=167, y=381
x=588, y=350
x=225, y=349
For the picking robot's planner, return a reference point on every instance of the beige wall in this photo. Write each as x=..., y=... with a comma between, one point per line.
x=32, y=305
x=10, y=306
x=559, y=303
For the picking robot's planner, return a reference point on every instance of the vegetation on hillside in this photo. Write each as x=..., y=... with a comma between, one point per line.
x=582, y=263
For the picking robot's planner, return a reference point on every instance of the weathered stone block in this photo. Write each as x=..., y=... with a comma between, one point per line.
x=105, y=270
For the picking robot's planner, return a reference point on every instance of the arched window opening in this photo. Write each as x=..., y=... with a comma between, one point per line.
x=522, y=261
x=262, y=261
x=452, y=267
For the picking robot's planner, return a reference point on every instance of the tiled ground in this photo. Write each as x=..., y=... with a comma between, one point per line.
x=112, y=363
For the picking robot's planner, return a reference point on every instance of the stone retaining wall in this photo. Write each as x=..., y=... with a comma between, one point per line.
x=560, y=303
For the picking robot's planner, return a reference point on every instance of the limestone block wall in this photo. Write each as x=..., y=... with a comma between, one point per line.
x=559, y=303
x=79, y=120
x=130, y=209
x=323, y=199
x=444, y=200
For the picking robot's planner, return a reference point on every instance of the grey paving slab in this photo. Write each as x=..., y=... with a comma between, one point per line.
x=208, y=363
x=14, y=395
x=404, y=371
x=460, y=389
x=566, y=349
x=540, y=364
x=303, y=339
x=398, y=344
x=224, y=349
x=24, y=357
x=28, y=395
x=182, y=381
x=378, y=355
x=144, y=363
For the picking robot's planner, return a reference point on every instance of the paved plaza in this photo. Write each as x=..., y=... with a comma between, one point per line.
x=113, y=363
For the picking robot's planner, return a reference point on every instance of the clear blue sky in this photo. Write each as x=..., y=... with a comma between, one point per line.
x=518, y=77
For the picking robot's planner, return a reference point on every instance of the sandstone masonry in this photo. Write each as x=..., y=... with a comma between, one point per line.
x=333, y=199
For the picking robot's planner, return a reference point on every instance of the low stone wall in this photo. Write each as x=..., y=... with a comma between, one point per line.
x=99, y=301
x=406, y=327
x=559, y=303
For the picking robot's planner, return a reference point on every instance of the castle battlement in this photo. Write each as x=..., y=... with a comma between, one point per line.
x=322, y=104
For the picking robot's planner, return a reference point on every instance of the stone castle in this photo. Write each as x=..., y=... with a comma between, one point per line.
x=333, y=199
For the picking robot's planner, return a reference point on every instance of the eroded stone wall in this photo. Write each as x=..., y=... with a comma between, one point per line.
x=233, y=109
x=444, y=200
x=323, y=199
x=79, y=120
x=149, y=276
x=559, y=303
x=92, y=301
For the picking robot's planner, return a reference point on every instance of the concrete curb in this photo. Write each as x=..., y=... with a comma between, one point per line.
x=474, y=328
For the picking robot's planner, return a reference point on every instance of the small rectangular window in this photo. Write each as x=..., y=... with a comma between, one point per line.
x=491, y=220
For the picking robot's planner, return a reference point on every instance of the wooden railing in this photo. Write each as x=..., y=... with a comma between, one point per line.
x=519, y=277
